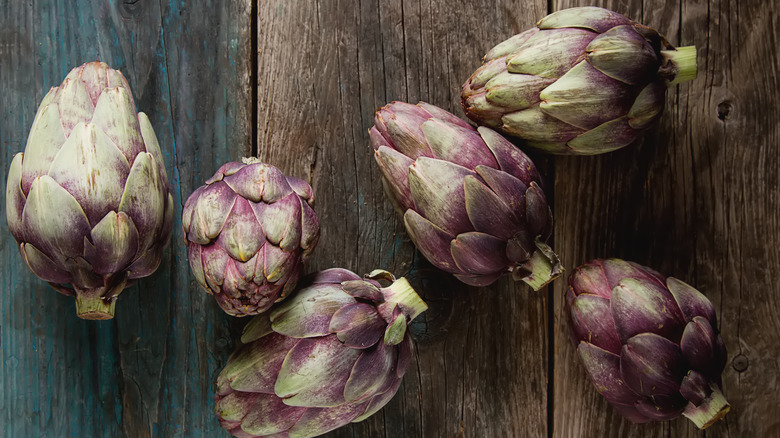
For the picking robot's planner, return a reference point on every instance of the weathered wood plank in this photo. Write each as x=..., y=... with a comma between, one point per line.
x=324, y=67
x=697, y=199
x=150, y=371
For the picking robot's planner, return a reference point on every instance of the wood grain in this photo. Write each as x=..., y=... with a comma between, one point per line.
x=323, y=69
x=149, y=371
x=698, y=200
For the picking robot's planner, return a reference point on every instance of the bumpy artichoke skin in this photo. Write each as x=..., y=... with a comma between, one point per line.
x=248, y=232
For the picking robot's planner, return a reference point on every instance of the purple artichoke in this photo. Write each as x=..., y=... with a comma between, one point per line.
x=248, y=232
x=332, y=353
x=471, y=201
x=584, y=81
x=650, y=344
x=88, y=200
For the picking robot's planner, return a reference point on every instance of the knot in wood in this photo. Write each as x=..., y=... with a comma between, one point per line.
x=740, y=363
x=724, y=110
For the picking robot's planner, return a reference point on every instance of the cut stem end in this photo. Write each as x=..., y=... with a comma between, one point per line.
x=94, y=307
x=402, y=294
x=542, y=268
x=712, y=409
x=681, y=63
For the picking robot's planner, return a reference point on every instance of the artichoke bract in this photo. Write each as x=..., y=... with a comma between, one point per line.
x=88, y=199
x=332, y=353
x=248, y=232
x=471, y=201
x=649, y=343
x=584, y=81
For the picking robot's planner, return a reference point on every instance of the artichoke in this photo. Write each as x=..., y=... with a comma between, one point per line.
x=248, y=232
x=332, y=353
x=584, y=81
x=650, y=344
x=88, y=200
x=472, y=202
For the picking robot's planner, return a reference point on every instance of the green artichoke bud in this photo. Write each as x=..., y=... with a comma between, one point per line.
x=88, y=200
x=248, y=232
x=332, y=353
x=650, y=343
x=584, y=81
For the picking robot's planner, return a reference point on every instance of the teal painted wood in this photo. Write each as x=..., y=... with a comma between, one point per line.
x=149, y=371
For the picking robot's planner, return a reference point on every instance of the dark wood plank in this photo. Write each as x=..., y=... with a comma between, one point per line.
x=150, y=371
x=696, y=199
x=324, y=67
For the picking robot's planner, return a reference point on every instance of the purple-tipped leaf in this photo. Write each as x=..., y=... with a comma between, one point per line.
x=358, y=325
x=652, y=365
x=315, y=371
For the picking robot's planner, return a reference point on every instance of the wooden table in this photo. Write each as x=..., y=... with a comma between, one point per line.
x=296, y=83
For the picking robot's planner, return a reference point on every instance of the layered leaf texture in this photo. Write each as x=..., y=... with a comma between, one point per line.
x=471, y=201
x=650, y=344
x=584, y=81
x=248, y=232
x=332, y=353
x=88, y=200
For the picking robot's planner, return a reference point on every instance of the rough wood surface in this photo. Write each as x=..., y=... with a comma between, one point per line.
x=697, y=199
x=323, y=69
x=150, y=371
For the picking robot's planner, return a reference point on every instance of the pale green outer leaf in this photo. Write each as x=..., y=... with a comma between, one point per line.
x=604, y=138
x=152, y=145
x=48, y=99
x=515, y=91
x=309, y=383
x=308, y=312
x=534, y=125
x=116, y=238
x=144, y=200
x=510, y=45
x=585, y=98
x=74, y=103
x=62, y=232
x=45, y=140
x=396, y=331
x=232, y=407
x=43, y=266
x=550, y=54
x=14, y=197
x=258, y=327
x=115, y=115
x=92, y=169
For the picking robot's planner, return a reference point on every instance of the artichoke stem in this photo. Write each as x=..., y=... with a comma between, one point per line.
x=680, y=63
x=542, y=268
x=712, y=409
x=93, y=306
x=402, y=294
